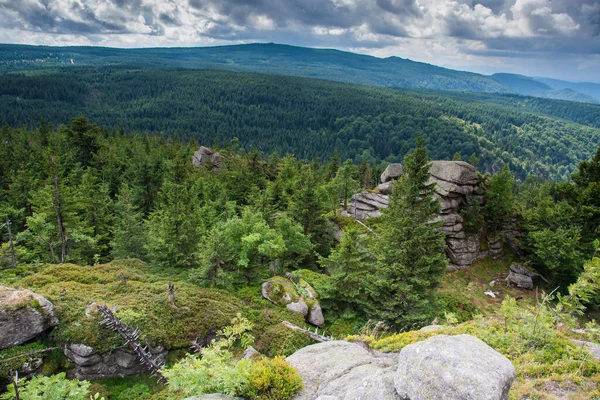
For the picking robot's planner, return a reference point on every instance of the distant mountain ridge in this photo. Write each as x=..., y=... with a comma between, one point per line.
x=270, y=58
x=528, y=86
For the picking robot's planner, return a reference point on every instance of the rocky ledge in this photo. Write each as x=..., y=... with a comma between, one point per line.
x=457, y=184
x=442, y=367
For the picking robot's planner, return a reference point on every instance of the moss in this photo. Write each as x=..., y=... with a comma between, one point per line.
x=282, y=291
x=141, y=301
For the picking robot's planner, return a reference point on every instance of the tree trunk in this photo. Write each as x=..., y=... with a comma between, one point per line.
x=12, y=246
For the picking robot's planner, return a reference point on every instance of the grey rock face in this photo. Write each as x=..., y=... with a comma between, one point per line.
x=457, y=184
x=300, y=307
x=345, y=371
x=89, y=365
x=205, y=157
x=366, y=205
x=453, y=367
x=522, y=281
x=392, y=172
x=315, y=315
x=459, y=172
x=385, y=188
x=23, y=316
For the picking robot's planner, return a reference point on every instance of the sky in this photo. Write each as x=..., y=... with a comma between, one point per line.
x=552, y=38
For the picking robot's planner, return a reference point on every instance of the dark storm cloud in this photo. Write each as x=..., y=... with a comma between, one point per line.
x=484, y=28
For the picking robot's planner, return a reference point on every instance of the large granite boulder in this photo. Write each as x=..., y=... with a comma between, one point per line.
x=207, y=158
x=286, y=293
x=88, y=364
x=339, y=370
x=392, y=172
x=453, y=367
x=458, y=172
x=23, y=316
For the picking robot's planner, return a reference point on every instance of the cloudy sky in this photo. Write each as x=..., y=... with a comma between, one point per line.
x=555, y=38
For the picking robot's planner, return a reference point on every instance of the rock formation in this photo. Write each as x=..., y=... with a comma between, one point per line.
x=89, y=365
x=442, y=367
x=298, y=297
x=457, y=184
x=344, y=370
x=522, y=277
x=453, y=367
x=23, y=316
x=207, y=158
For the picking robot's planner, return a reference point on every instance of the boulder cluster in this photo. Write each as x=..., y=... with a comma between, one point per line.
x=442, y=367
x=457, y=185
x=88, y=364
x=299, y=297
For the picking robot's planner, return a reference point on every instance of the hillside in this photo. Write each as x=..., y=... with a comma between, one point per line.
x=588, y=88
x=527, y=86
x=270, y=58
x=306, y=117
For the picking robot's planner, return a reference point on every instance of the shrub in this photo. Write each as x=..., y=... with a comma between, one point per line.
x=272, y=379
x=55, y=387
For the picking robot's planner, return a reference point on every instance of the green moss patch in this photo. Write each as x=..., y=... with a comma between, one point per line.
x=139, y=294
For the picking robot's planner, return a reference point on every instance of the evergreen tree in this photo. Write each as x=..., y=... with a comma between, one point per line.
x=175, y=227
x=129, y=232
x=408, y=250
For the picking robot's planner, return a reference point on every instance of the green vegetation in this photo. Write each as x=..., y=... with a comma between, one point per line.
x=307, y=117
x=50, y=387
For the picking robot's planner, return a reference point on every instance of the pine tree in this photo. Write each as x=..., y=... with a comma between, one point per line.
x=129, y=232
x=408, y=249
x=175, y=227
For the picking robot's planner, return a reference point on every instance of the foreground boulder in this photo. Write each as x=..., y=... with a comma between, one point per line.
x=339, y=370
x=453, y=367
x=23, y=316
x=89, y=365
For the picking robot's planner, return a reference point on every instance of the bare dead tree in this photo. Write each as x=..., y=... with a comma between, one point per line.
x=15, y=382
x=313, y=335
x=12, y=245
x=171, y=296
x=131, y=337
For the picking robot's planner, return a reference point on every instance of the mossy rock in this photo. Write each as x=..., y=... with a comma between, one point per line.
x=280, y=291
x=139, y=293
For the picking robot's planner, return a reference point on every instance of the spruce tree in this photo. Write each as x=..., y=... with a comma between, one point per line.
x=407, y=250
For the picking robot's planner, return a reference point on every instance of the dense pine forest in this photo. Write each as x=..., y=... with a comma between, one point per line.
x=309, y=118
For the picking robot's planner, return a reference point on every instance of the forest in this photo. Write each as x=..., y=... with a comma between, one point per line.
x=308, y=118
x=78, y=198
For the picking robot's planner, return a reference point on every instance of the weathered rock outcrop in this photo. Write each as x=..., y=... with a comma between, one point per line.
x=207, y=158
x=285, y=293
x=453, y=367
x=441, y=367
x=457, y=185
x=23, y=316
x=392, y=172
x=344, y=370
x=522, y=277
x=594, y=348
x=89, y=365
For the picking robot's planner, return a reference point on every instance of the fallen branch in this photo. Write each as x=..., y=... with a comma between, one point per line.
x=31, y=353
x=131, y=338
x=313, y=335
